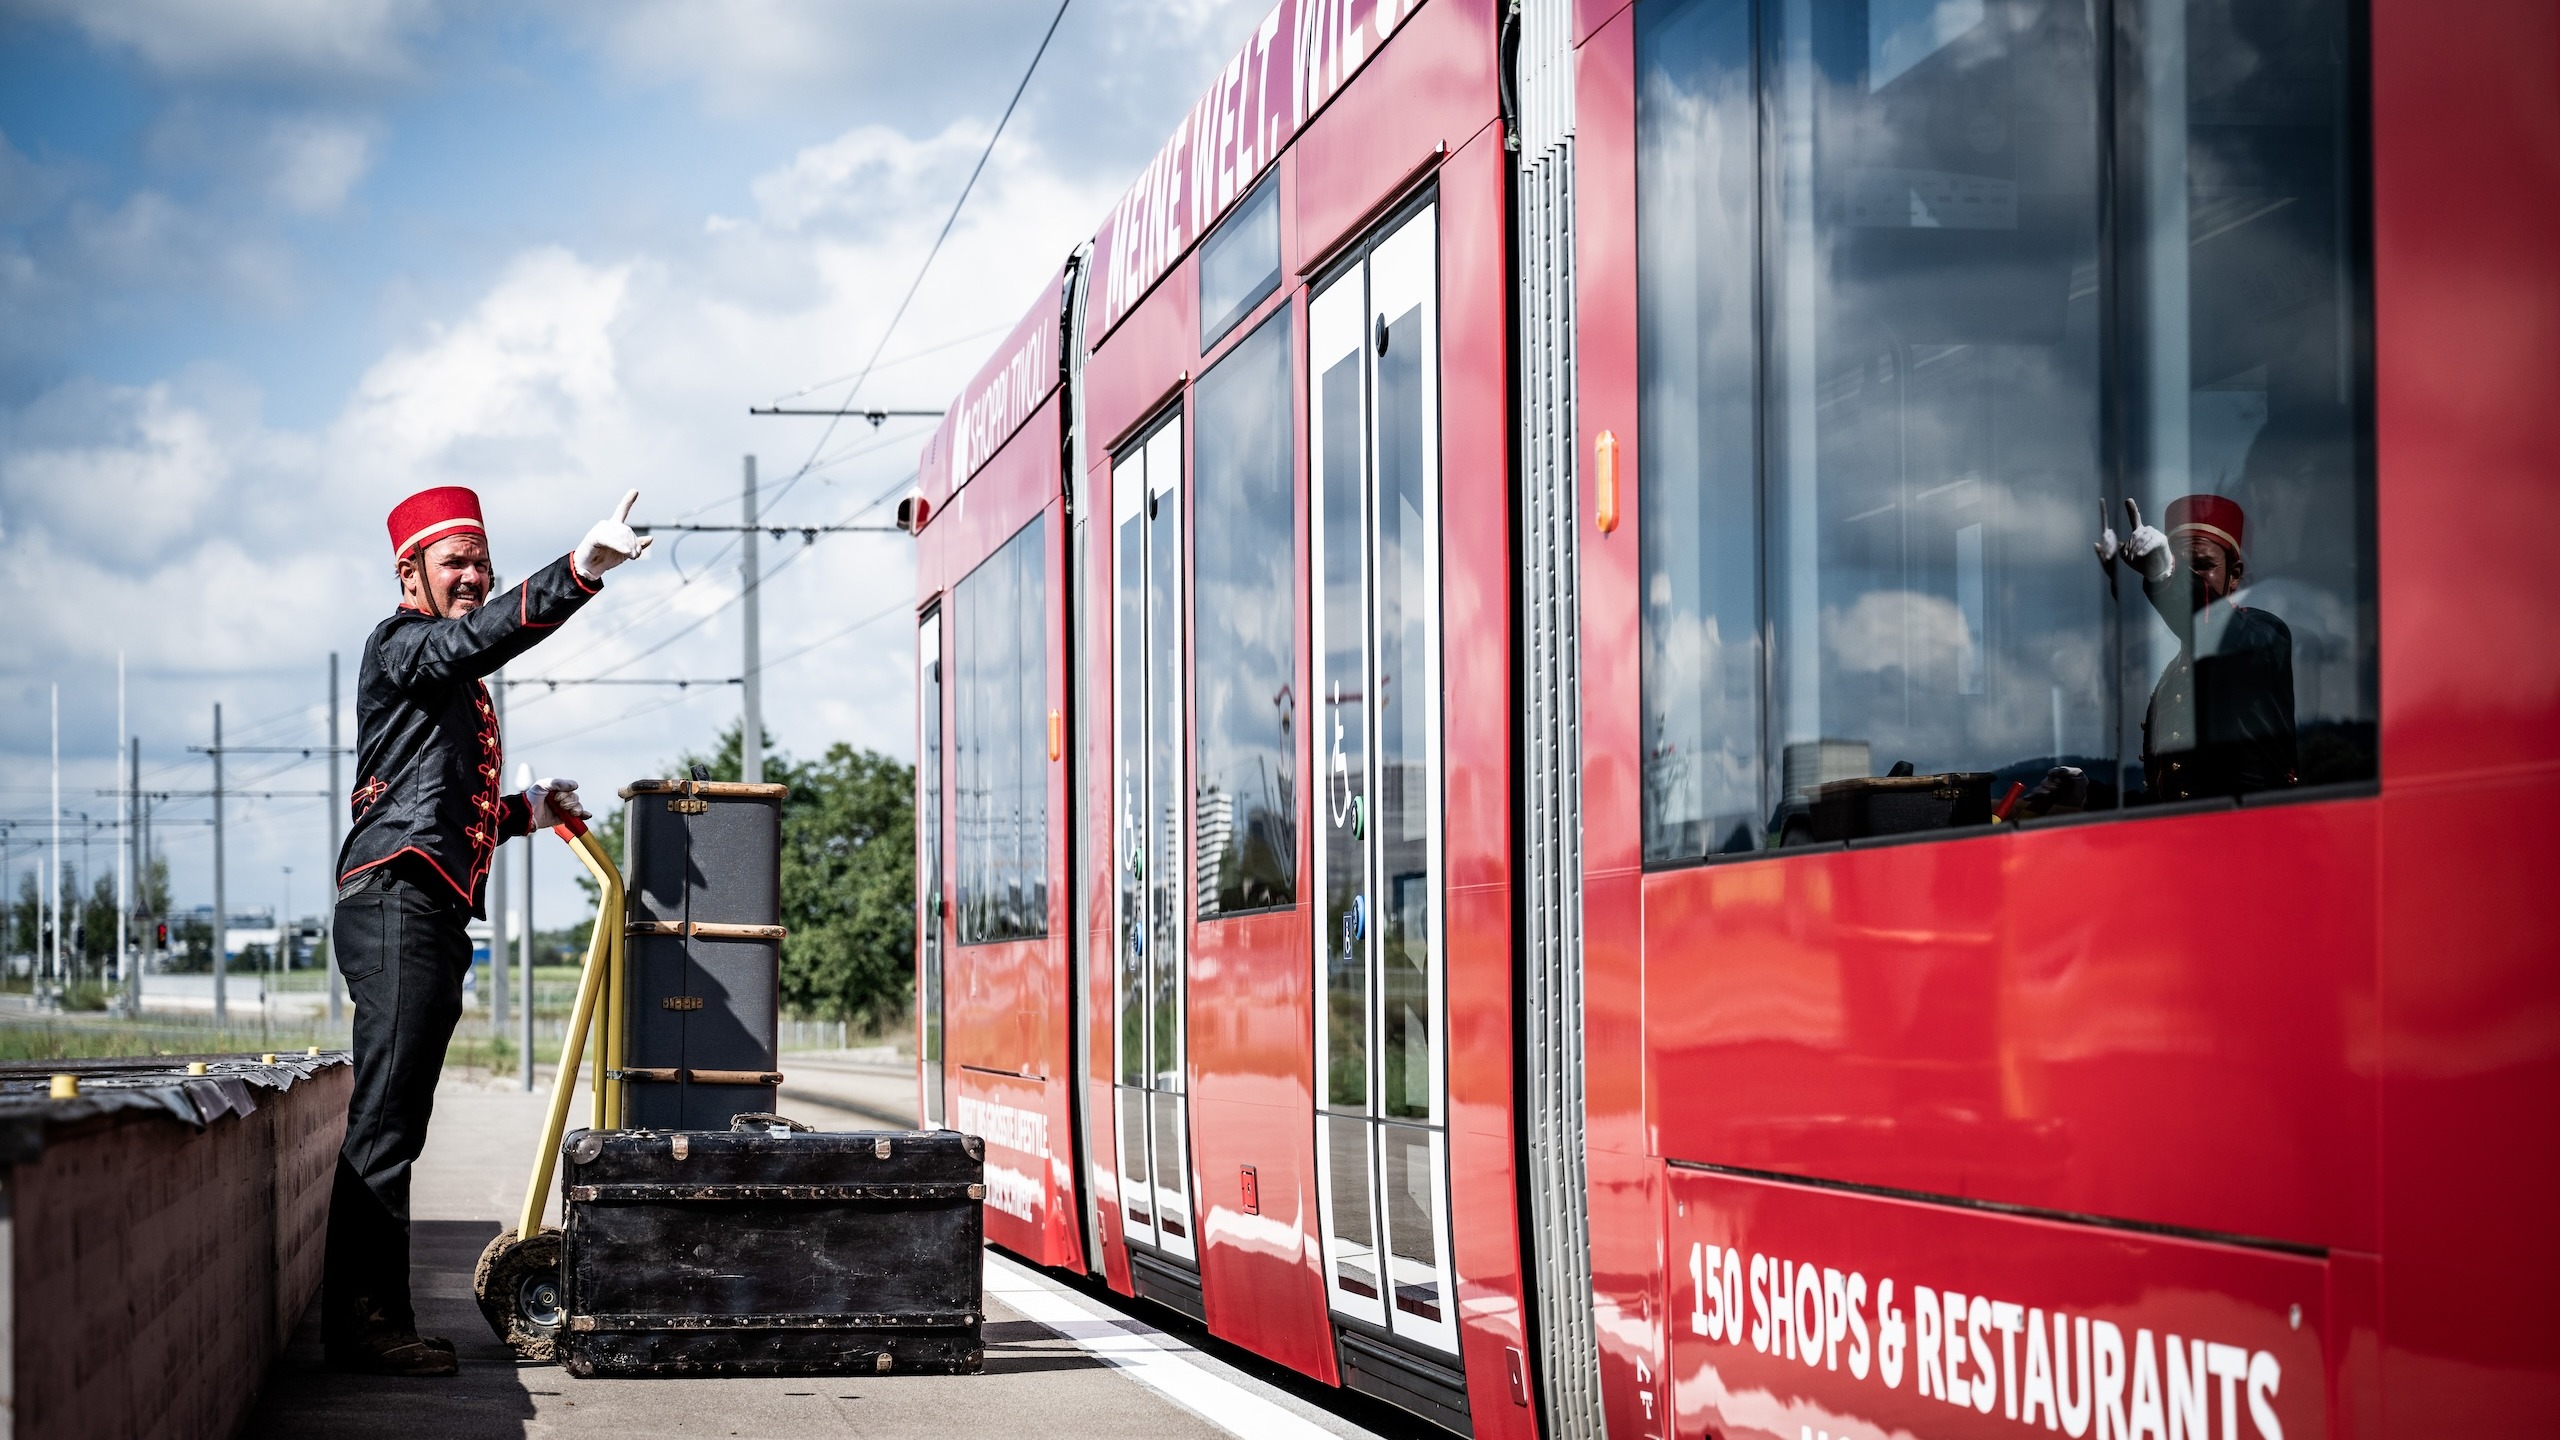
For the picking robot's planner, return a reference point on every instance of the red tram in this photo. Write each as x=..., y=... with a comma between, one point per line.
x=1561, y=781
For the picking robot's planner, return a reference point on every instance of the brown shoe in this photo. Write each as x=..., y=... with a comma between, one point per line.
x=393, y=1352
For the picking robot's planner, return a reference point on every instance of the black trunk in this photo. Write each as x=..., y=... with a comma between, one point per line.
x=763, y=1252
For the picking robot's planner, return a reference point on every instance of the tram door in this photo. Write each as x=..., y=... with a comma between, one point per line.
x=1147, y=763
x=1382, y=1153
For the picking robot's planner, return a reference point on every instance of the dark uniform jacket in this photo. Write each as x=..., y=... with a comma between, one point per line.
x=2221, y=718
x=428, y=764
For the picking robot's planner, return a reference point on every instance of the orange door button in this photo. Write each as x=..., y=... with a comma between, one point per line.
x=1057, y=735
x=1604, y=470
x=1251, y=1188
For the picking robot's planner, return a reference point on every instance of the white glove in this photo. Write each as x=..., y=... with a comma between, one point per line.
x=553, y=802
x=610, y=543
x=2105, y=544
x=2146, y=549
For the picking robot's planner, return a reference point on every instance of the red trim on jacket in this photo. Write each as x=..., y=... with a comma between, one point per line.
x=396, y=854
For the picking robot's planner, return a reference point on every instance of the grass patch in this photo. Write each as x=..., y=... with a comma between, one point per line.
x=85, y=1040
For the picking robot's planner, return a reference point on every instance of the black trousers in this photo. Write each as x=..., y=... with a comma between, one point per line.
x=403, y=949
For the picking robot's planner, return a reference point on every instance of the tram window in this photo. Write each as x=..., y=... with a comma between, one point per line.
x=1000, y=731
x=1245, y=818
x=1700, y=529
x=1871, y=409
x=2247, y=368
x=1240, y=262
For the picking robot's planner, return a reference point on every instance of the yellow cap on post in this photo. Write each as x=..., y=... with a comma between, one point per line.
x=267, y=1059
x=314, y=1050
x=66, y=1087
x=195, y=1067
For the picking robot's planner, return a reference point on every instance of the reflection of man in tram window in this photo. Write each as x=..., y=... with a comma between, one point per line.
x=2221, y=716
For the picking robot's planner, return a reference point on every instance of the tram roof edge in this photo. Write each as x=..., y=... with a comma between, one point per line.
x=1302, y=54
x=1291, y=65
x=1004, y=393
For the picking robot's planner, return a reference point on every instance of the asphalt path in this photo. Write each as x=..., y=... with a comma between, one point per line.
x=1062, y=1362
x=836, y=1092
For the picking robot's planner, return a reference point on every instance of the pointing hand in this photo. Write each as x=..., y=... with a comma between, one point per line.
x=2146, y=549
x=2105, y=544
x=611, y=542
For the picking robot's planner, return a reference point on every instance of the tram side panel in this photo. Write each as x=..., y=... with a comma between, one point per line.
x=2466, y=151
x=1959, y=1019
x=1479, y=581
x=998, y=543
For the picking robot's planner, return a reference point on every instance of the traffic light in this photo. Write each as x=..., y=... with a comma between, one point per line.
x=162, y=942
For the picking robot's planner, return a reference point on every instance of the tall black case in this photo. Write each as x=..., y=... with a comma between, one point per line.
x=756, y=1253
x=702, y=987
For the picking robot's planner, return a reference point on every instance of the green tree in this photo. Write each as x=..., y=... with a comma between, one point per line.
x=191, y=945
x=26, y=922
x=849, y=888
x=98, y=924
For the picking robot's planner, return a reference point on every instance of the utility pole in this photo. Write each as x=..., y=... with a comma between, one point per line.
x=138, y=849
x=751, y=733
x=124, y=842
x=498, y=885
x=337, y=818
x=524, y=951
x=54, y=940
x=221, y=911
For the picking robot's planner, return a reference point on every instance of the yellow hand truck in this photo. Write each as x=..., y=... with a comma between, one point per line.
x=517, y=1281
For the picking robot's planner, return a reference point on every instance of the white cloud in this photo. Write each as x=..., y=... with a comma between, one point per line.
x=500, y=393
x=149, y=240
x=143, y=482
x=867, y=175
x=316, y=163
x=1117, y=75
x=326, y=39
x=1910, y=631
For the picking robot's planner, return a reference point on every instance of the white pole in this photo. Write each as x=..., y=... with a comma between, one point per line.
x=337, y=810
x=498, y=907
x=124, y=840
x=137, y=842
x=524, y=951
x=751, y=728
x=221, y=911
x=54, y=946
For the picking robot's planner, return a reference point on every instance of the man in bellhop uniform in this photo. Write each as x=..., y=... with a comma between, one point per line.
x=428, y=816
x=2221, y=717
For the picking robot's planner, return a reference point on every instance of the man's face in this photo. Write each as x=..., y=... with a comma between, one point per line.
x=2212, y=573
x=450, y=578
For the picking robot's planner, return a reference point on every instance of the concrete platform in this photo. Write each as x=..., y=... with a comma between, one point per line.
x=1061, y=1365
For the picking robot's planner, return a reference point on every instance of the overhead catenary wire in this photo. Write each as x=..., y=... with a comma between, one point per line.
x=705, y=618
x=944, y=234
x=650, y=607
x=890, y=365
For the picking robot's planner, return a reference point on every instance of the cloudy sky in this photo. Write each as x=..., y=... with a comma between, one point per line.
x=266, y=266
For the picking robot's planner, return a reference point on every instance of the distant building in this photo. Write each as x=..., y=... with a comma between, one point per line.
x=1217, y=822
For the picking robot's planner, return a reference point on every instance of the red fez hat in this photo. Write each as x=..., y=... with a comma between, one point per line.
x=2212, y=516
x=432, y=515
